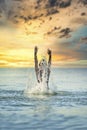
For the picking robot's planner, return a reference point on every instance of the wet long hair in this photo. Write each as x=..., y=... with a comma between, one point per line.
x=43, y=63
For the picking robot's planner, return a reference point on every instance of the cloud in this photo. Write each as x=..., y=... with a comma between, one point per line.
x=54, y=3
x=15, y=58
x=83, y=1
x=19, y=0
x=54, y=30
x=31, y=9
x=16, y=10
x=83, y=40
x=79, y=20
x=65, y=32
x=74, y=48
x=51, y=12
x=3, y=63
x=41, y=22
x=59, y=32
x=2, y=4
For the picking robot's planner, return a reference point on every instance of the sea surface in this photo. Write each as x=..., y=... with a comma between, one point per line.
x=66, y=110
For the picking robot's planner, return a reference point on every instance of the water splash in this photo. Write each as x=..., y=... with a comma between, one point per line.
x=35, y=88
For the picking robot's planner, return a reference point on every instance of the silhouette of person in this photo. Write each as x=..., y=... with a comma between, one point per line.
x=42, y=68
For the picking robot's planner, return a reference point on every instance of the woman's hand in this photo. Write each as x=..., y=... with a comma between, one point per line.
x=49, y=52
x=36, y=49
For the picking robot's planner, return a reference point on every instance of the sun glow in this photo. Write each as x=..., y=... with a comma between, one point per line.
x=24, y=25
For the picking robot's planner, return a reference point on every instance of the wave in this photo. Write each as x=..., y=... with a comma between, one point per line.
x=63, y=98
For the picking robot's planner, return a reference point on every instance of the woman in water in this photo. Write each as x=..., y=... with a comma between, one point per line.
x=43, y=68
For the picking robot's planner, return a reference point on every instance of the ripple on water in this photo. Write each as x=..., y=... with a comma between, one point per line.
x=65, y=110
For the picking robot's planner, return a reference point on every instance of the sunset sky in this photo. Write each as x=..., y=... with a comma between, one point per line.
x=60, y=26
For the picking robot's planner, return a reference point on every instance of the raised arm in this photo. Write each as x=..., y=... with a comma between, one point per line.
x=50, y=57
x=36, y=61
x=49, y=64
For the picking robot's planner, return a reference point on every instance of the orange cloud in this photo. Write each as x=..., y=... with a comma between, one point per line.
x=25, y=24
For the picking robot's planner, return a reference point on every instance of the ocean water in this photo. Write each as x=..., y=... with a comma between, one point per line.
x=65, y=110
